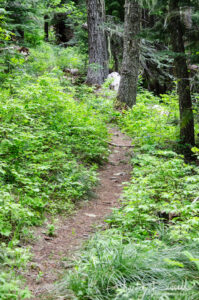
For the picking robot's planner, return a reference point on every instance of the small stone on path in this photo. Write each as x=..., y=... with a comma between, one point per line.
x=90, y=215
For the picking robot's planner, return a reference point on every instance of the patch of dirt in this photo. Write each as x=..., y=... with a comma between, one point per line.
x=48, y=253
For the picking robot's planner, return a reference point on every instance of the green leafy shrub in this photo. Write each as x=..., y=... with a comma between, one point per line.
x=101, y=100
x=152, y=121
x=45, y=58
x=70, y=57
x=41, y=60
x=50, y=146
x=161, y=190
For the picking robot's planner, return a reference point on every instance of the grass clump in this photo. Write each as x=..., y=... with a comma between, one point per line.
x=120, y=269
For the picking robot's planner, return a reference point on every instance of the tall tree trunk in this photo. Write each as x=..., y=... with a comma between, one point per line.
x=116, y=45
x=21, y=33
x=98, y=50
x=182, y=75
x=46, y=28
x=130, y=66
x=63, y=31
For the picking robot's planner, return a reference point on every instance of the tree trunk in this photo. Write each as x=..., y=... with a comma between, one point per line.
x=21, y=33
x=182, y=75
x=63, y=31
x=130, y=66
x=46, y=28
x=98, y=50
x=116, y=43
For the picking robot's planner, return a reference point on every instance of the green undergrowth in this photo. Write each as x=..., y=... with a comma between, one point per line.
x=150, y=250
x=113, y=267
x=52, y=143
x=152, y=123
x=13, y=261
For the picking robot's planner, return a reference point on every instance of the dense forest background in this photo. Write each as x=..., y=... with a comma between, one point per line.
x=68, y=71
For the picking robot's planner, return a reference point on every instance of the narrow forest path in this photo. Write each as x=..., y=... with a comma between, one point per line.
x=48, y=263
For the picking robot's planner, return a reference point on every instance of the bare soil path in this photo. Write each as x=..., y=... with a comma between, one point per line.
x=49, y=253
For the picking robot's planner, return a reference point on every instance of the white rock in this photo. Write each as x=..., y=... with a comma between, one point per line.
x=160, y=110
x=71, y=71
x=90, y=215
x=115, y=81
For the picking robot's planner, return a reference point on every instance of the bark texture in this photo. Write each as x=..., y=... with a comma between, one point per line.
x=182, y=75
x=130, y=65
x=98, y=50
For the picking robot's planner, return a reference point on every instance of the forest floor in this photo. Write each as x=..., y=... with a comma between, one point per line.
x=52, y=256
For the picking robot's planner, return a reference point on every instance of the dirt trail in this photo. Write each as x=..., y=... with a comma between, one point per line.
x=48, y=253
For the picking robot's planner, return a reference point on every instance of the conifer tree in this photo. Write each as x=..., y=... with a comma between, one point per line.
x=174, y=26
x=98, y=51
x=181, y=73
x=130, y=65
x=22, y=15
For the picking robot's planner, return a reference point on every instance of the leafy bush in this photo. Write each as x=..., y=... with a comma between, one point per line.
x=45, y=134
x=101, y=100
x=46, y=58
x=70, y=57
x=161, y=191
x=152, y=121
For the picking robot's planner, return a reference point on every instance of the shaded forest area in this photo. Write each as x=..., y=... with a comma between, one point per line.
x=68, y=71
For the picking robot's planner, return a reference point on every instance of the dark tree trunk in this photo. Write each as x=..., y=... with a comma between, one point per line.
x=98, y=50
x=116, y=60
x=116, y=43
x=46, y=28
x=63, y=31
x=130, y=66
x=182, y=75
x=21, y=33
